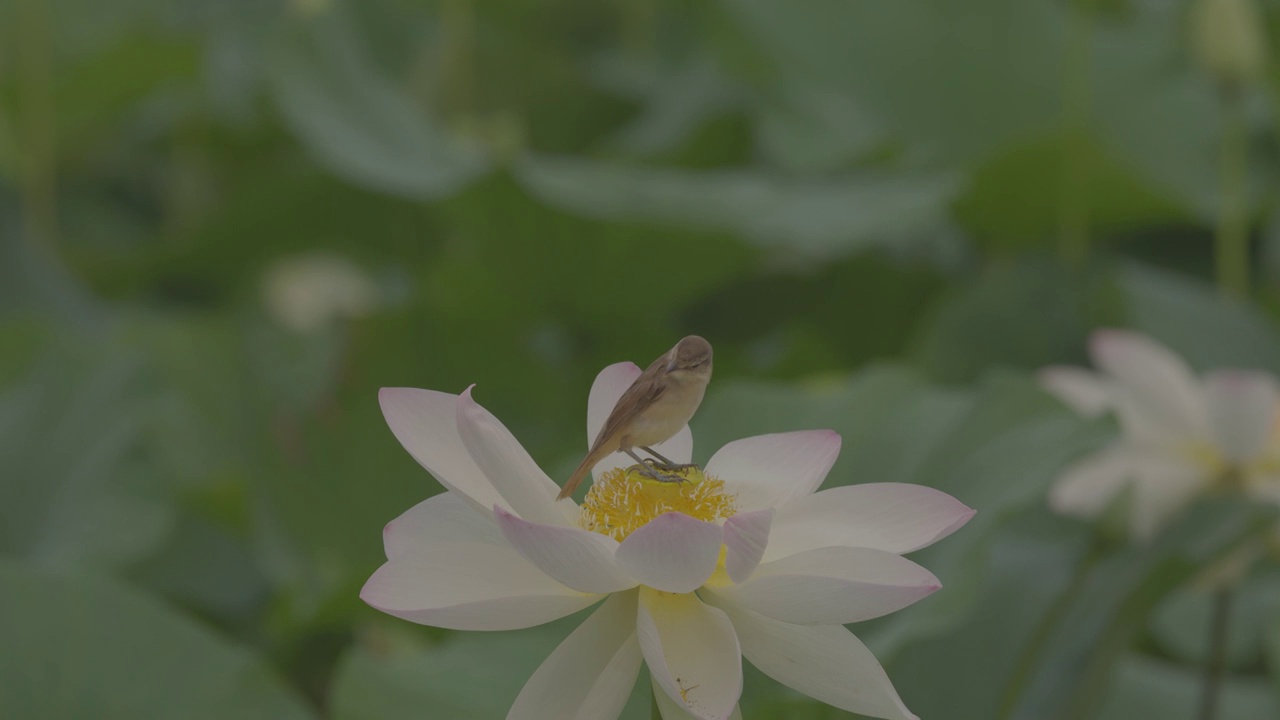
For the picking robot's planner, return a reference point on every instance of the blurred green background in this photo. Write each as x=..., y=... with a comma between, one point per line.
x=224, y=224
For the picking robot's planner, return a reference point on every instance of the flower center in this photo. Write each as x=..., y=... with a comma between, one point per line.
x=623, y=500
x=1206, y=457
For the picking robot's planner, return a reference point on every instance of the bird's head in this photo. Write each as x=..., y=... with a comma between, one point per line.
x=690, y=358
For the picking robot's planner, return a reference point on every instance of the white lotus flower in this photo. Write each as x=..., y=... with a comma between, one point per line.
x=742, y=560
x=307, y=292
x=1180, y=435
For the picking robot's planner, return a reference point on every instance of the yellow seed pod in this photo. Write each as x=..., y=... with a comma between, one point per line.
x=624, y=500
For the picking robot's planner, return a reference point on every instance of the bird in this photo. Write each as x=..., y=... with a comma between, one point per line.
x=652, y=410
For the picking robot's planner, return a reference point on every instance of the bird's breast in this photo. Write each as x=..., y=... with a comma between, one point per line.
x=665, y=416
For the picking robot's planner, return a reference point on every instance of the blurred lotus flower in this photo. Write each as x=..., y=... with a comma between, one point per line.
x=307, y=292
x=1228, y=38
x=1180, y=435
x=744, y=559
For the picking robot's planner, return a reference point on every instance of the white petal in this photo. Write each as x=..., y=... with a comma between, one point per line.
x=605, y=392
x=670, y=710
x=672, y=552
x=425, y=422
x=591, y=674
x=1263, y=485
x=581, y=559
x=771, y=470
x=446, y=517
x=1087, y=486
x=1163, y=485
x=691, y=651
x=1079, y=389
x=825, y=662
x=470, y=586
x=832, y=586
x=746, y=535
x=895, y=517
x=1242, y=412
x=527, y=490
x=1158, y=397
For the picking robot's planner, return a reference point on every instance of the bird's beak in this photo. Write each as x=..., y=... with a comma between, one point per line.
x=671, y=365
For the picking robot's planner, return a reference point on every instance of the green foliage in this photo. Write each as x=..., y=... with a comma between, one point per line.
x=356, y=121
x=88, y=647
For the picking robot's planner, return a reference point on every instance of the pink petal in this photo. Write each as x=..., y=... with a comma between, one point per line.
x=470, y=586
x=591, y=674
x=746, y=535
x=526, y=490
x=832, y=586
x=581, y=559
x=691, y=651
x=1079, y=389
x=672, y=552
x=446, y=517
x=605, y=392
x=1242, y=412
x=772, y=470
x=825, y=662
x=894, y=517
x=425, y=423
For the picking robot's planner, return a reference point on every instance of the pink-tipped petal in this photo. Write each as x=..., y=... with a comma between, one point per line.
x=832, y=586
x=580, y=559
x=446, y=517
x=672, y=552
x=526, y=490
x=771, y=470
x=894, y=517
x=425, y=423
x=746, y=535
x=605, y=392
x=825, y=662
x=1242, y=412
x=692, y=653
x=470, y=586
x=591, y=674
x=1079, y=389
x=1156, y=394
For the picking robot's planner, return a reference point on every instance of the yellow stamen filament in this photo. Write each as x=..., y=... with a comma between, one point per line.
x=624, y=500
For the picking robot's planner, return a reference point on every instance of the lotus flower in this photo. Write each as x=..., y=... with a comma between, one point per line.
x=744, y=558
x=1181, y=436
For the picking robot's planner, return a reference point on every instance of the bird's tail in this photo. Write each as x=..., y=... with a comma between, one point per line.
x=584, y=467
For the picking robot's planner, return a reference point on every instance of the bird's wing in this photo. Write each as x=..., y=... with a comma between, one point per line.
x=643, y=392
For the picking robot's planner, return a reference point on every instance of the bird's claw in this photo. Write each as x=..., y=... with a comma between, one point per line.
x=653, y=470
x=671, y=467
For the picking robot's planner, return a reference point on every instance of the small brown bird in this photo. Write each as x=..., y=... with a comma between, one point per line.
x=653, y=409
